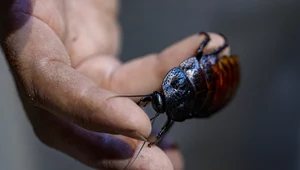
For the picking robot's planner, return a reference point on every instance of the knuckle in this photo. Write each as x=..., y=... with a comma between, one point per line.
x=85, y=114
x=27, y=89
x=27, y=84
x=31, y=94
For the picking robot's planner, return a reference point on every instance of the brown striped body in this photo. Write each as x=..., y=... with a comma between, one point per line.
x=222, y=83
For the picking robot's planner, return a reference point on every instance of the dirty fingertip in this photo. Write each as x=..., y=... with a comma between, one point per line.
x=151, y=159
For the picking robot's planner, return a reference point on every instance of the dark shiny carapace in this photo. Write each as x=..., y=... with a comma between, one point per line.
x=198, y=88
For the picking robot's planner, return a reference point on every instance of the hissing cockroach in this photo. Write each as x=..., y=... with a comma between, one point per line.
x=198, y=88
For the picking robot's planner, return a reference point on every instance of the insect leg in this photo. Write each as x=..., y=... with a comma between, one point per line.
x=163, y=130
x=202, y=45
x=221, y=48
x=154, y=118
x=144, y=100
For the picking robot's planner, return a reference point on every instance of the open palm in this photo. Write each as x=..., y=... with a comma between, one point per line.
x=64, y=57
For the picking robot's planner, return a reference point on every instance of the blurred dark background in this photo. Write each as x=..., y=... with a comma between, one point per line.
x=258, y=130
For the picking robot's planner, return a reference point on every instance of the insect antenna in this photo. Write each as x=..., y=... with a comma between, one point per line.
x=139, y=95
x=131, y=162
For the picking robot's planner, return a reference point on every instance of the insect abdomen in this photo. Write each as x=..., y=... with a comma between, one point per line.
x=222, y=78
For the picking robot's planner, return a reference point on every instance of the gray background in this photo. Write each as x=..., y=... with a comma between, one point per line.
x=258, y=130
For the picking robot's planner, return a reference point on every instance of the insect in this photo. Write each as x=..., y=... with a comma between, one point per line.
x=199, y=87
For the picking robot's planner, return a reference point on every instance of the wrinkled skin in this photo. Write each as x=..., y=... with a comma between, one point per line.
x=63, y=55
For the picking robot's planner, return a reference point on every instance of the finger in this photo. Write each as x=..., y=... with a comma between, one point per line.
x=92, y=29
x=175, y=157
x=84, y=27
x=173, y=153
x=97, y=150
x=42, y=67
x=143, y=75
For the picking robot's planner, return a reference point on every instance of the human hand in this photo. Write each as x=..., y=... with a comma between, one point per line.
x=64, y=58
